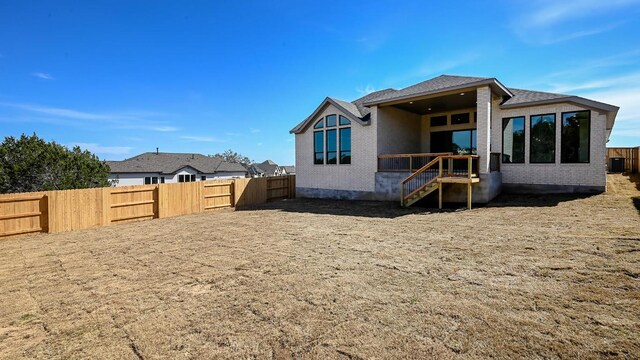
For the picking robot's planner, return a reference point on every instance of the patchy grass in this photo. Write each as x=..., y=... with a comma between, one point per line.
x=535, y=277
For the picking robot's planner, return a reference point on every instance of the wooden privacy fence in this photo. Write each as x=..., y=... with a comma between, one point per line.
x=66, y=210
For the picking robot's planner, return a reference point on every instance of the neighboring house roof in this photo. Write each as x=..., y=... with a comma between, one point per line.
x=268, y=167
x=444, y=83
x=170, y=163
x=290, y=169
x=255, y=170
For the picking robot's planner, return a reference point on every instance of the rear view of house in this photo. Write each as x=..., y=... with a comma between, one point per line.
x=159, y=167
x=462, y=137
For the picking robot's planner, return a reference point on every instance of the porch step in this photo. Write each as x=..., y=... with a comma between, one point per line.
x=421, y=194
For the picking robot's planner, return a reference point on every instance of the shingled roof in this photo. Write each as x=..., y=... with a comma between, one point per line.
x=170, y=163
x=359, y=108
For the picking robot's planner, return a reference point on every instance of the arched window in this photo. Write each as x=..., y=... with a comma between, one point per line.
x=332, y=140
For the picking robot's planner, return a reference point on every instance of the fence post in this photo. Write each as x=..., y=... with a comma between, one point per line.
x=106, y=206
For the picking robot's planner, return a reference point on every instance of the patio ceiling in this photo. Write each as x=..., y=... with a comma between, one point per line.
x=439, y=104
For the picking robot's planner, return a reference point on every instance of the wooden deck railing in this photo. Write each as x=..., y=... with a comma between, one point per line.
x=405, y=162
x=448, y=165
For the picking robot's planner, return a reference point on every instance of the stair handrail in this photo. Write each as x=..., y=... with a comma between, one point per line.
x=437, y=160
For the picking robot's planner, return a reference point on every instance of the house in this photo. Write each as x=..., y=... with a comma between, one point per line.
x=289, y=169
x=462, y=137
x=159, y=167
x=266, y=168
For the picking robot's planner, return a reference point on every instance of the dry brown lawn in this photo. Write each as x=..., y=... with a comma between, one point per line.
x=533, y=277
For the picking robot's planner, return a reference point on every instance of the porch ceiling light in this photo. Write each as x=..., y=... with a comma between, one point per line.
x=429, y=109
x=462, y=94
x=410, y=102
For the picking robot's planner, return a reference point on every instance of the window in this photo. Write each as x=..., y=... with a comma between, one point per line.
x=203, y=177
x=439, y=120
x=542, y=139
x=162, y=180
x=318, y=147
x=460, y=119
x=331, y=120
x=147, y=180
x=345, y=145
x=150, y=180
x=513, y=140
x=154, y=180
x=575, y=137
x=475, y=116
x=332, y=141
x=462, y=142
x=186, y=178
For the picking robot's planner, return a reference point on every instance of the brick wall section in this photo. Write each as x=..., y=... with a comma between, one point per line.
x=398, y=131
x=483, y=127
x=591, y=174
x=358, y=176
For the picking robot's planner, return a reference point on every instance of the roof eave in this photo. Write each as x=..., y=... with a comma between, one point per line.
x=303, y=125
x=572, y=99
x=493, y=82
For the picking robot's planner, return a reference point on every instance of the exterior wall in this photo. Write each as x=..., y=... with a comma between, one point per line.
x=357, y=176
x=398, y=131
x=138, y=178
x=426, y=129
x=570, y=177
x=484, y=128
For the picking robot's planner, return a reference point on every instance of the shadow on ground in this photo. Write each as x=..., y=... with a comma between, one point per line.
x=390, y=210
x=635, y=179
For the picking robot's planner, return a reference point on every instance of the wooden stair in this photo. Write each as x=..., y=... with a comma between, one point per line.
x=420, y=194
x=427, y=180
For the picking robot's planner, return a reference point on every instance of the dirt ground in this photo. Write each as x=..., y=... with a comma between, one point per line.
x=534, y=277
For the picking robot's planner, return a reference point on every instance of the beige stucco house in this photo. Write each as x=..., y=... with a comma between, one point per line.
x=452, y=133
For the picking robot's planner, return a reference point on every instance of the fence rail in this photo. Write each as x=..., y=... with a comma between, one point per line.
x=66, y=210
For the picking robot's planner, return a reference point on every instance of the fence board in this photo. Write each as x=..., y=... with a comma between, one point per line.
x=67, y=210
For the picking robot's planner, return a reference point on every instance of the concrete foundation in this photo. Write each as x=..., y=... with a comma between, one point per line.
x=551, y=189
x=388, y=189
x=490, y=185
x=315, y=193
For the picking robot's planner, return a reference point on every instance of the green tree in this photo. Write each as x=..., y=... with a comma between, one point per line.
x=29, y=163
x=233, y=157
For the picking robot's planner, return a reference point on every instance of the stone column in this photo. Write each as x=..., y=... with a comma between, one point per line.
x=483, y=127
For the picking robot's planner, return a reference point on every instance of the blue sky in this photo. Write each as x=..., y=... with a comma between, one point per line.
x=124, y=77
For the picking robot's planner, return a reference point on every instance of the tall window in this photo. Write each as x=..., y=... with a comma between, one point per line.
x=542, y=139
x=345, y=145
x=318, y=147
x=332, y=144
x=332, y=140
x=513, y=140
x=576, y=127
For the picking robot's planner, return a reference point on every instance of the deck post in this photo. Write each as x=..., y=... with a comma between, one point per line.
x=469, y=195
x=469, y=167
x=440, y=195
x=410, y=164
x=402, y=194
